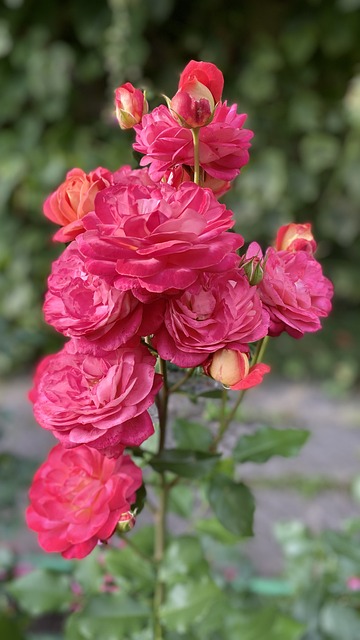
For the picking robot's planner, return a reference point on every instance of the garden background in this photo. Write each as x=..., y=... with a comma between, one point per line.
x=294, y=67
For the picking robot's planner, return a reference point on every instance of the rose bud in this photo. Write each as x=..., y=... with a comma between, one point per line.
x=295, y=237
x=200, y=88
x=126, y=522
x=130, y=105
x=232, y=369
x=193, y=106
x=204, y=73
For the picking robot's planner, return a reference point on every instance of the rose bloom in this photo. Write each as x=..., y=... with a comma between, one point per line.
x=98, y=400
x=157, y=240
x=179, y=174
x=232, y=369
x=218, y=310
x=294, y=291
x=223, y=144
x=81, y=305
x=77, y=498
x=73, y=199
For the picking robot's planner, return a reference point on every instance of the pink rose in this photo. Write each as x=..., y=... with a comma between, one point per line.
x=98, y=400
x=232, y=369
x=77, y=498
x=156, y=240
x=130, y=105
x=73, y=199
x=223, y=144
x=294, y=291
x=217, y=311
x=81, y=305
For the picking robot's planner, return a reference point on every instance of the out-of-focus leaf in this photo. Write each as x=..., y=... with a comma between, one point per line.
x=268, y=442
x=191, y=435
x=233, y=505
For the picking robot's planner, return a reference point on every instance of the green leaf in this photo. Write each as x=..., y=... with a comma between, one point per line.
x=214, y=529
x=190, y=435
x=181, y=501
x=108, y=616
x=342, y=545
x=188, y=604
x=129, y=569
x=41, y=592
x=233, y=505
x=184, y=557
x=185, y=463
x=268, y=442
x=266, y=623
x=270, y=587
x=9, y=628
x=339, y=621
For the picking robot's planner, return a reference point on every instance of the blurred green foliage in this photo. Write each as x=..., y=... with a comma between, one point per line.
x=294, y=67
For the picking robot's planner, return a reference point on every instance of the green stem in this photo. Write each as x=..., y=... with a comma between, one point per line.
x=195, y=135
x=160, y=514
x=182, y=380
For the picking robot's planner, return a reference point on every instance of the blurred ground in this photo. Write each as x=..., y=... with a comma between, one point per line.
x=316, y=487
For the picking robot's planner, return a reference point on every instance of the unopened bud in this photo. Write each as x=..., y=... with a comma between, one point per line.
x=130, y=105
x=254, y=270
x=193, y=105
x=126, y=522
x=295, y=237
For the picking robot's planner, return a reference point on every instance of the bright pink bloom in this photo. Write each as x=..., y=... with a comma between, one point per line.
x=81, y=305
x=231, y=368
x=353, y=583
x=77, y=498
x=130, y=105
x=99, y=400
x=205, y=73
x=294, y=291
x=223, y=144
x=295, y=237
x=217, y=311
x=73, y=199
x=158, y=239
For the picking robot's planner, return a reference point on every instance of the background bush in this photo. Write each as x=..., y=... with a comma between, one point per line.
x=294, y=67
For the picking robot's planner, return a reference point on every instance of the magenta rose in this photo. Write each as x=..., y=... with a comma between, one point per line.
x=81, y=305
x=217, y=311
x=77, y=498
x=156, y=240
x=98, y=400
x=223, y=144
x=294, y=291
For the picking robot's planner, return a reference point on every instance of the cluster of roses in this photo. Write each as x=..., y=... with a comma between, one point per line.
x=151, y=268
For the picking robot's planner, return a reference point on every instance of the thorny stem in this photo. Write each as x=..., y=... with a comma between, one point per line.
x=225, y=420
x=195, y=135
x=160, y=515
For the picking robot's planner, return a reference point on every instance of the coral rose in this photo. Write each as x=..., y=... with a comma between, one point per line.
x=294, y=291
x=218, y=310
x=232, y=369
x=98, y=400
x=158, y=239
x=223, y=144
x=77, y=498
x=73, y=200
x=295, y=237
x=81, y=305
